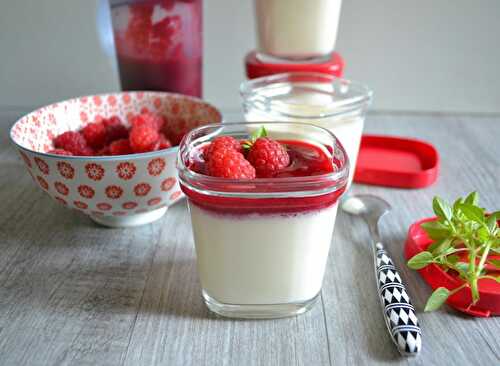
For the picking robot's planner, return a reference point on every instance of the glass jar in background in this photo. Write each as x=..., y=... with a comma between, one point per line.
x=159, y=44
x=296, y=30
x=336, y=104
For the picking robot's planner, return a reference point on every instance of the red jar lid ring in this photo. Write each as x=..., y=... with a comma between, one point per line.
x=396, y=162
x=255, y=68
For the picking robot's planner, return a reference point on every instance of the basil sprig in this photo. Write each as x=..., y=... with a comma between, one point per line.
x=461, y=228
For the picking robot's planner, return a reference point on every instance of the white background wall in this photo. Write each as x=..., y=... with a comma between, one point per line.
x=426, y=55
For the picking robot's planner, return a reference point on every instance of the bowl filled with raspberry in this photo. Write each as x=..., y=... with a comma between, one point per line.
x=110, y=156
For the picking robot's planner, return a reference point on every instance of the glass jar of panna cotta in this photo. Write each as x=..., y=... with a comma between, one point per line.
x=262, y=244
x=336, y=104
x=296, y=30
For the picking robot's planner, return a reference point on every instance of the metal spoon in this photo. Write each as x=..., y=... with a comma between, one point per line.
x=399, y=313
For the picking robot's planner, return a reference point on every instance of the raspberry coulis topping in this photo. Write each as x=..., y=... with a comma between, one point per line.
x=305, y=160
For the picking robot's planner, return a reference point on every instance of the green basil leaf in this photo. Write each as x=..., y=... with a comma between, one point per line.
x=456, y=203
x=438, y=298
x=431, y=248
x=420, y=260
x=436, y=230
x=473, y=213
x=452, y=259
x=462, y=267
x=483, y=234
x=260, y=132
x=495, y=262
x=444, y=244
x=491, y=222
x=441, y=208
x=472, y=199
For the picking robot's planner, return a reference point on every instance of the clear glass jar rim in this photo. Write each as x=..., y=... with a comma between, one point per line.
x=282, y=187
x=251, y=99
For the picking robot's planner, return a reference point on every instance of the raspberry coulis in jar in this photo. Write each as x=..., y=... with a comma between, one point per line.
x=306, y=160
x=164, y=54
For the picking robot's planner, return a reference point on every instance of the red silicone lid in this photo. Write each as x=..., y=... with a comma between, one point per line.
x=396, y=162
x=256, y=68
x=489, y=290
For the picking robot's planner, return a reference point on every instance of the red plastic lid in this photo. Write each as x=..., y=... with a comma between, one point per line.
x=489, y=290
x=396, y=162
x=255, y=68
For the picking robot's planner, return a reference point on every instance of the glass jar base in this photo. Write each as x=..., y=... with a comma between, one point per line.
x=264, y=311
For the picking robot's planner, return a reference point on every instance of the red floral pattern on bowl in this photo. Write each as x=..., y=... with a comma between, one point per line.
x=116, y=188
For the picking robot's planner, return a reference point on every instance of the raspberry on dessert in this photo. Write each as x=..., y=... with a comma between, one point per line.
x=120, y=147
x=143, y=138
x=228, y=163
x=223, y=142
x=267, y=157
x=59, y=152
x=74, y=142
x=95, y=135
x=164, y=142
x=115, y=129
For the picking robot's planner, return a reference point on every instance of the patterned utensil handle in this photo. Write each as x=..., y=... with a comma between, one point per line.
x=399, y=313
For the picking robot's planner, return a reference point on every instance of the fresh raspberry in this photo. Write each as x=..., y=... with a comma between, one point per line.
x=120, y=147
x=268, y=157
x=229, y=163
x=115, y=129
x=95, y=135
x=59, y=152
x=223, y=142
x=74, y=142
x=143, y=138
x=150, y=119
x=104, y=151
x=164, y=142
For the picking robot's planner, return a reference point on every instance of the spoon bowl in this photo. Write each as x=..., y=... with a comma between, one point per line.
x=368, y=206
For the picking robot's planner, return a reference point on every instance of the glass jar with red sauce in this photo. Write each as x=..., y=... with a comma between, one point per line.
x=262, y=244
x=159, y=44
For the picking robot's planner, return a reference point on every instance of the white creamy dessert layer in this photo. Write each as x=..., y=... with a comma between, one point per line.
x=262, y=259
x=297, y=29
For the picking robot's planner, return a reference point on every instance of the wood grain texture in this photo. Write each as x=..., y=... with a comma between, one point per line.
x=73, y=293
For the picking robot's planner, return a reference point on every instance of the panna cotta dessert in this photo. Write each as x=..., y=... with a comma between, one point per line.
x=336, y=104
x=296, y=30
x=263, y=206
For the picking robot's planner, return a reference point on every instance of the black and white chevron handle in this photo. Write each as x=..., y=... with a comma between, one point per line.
x=399, y=313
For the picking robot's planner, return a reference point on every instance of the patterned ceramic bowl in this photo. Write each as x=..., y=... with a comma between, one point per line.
x=116, y=191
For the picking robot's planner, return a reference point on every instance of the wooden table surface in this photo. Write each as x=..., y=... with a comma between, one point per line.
x=73, y=293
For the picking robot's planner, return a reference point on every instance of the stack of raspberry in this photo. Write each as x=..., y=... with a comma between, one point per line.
x=261, y=157
x=111, y=137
